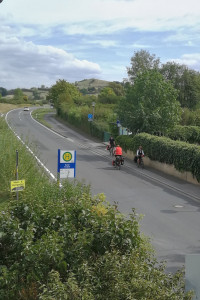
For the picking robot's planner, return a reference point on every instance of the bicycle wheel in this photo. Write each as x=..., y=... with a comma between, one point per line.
x=111, y=151
x=142, y=164
x=138, y=163
x=118, y=164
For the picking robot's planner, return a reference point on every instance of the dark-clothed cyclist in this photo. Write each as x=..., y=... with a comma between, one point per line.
x=140, y=153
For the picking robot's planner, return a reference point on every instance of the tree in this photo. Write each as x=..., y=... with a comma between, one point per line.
x=150, y=104
x=107, y=95
x=189, y=89
x=140, y=62
x=186, y=81
x=117, y=88
x=85, y=100
x=62, y=87
x=18, y=96
x=36, y=94
x=3, y=91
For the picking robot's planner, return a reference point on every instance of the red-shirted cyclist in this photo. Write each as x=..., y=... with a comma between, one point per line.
x=118, y=154
x=118, y=151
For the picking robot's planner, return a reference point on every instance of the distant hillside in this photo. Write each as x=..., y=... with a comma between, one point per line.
x=86, y=86
x=91, y=86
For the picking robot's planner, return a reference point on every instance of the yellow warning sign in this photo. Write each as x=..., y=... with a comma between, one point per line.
x=17, y=185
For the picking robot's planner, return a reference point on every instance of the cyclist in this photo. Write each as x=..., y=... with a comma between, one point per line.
x=111, y=145
x=140, y=154
x=118, y=153
x=112, y=142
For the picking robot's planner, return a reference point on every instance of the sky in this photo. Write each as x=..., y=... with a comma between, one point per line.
x=42, y=41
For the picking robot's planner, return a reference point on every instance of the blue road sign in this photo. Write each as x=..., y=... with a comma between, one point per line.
x=90, y=117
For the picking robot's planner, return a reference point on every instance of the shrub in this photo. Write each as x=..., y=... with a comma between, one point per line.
x=189, y=134
x=184, y=156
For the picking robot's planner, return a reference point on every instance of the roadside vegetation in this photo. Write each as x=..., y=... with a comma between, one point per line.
x=162, y=100
x=39, y=115
x=64, y=243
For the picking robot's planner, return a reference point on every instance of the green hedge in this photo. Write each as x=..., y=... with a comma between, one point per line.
x=189, y=134
x=184, y=156
x=80, y=121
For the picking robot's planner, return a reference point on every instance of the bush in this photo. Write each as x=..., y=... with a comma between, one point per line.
x=62, y=243
x=189, y=134
x=65, y=244
x=184, y=156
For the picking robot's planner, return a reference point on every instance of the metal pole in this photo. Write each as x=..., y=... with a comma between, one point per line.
x=17, y=170
x=93, y=105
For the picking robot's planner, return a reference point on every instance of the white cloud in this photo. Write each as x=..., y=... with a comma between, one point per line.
x=24, y=64
x=190, y=60
x=103, y=43
x=84, y=16
x=103, y=34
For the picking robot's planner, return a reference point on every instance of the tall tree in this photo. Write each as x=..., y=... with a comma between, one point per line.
x=62, y=87
x=18, y=96
x=150, y=104
x=3, y=91
x=142, y=61
x=186, y=81
x=117, y=88
x=108, y=95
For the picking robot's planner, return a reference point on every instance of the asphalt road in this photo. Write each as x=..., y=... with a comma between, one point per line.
x=170, y=207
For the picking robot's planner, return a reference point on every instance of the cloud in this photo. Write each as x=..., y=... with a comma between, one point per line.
x=103, y=43
x=90, y=16
x=72, y=39
x=190, y=60
x=25, y=64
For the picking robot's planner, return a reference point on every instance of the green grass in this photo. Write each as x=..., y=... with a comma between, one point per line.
x=27, y=168
x=40, y=113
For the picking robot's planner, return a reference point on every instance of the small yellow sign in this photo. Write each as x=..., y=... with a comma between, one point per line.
x=67, y=156
x=17, y=185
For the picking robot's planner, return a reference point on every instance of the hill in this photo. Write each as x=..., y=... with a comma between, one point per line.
x=86, y=86
x=91, y=86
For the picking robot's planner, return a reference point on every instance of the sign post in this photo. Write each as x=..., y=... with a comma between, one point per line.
x=66, y=164
x=17, y=170
x=17, y=185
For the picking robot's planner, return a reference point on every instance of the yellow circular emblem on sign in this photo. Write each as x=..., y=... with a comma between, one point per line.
x=67, y=156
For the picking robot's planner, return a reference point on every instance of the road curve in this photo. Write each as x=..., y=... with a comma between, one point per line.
x=171, y=207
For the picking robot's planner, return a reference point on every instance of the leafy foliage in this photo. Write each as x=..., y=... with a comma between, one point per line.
x=65, y=244
x=62, y=91
x=150, y=104
x=184, y=156
x=186, y=81
x=141, y=62
x=189, y=134
x=107, y=95
x=190, y=117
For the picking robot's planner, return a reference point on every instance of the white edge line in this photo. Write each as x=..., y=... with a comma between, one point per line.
x=38, y=160
x=51, y=129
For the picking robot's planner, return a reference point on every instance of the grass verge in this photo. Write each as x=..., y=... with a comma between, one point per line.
x=39, y=115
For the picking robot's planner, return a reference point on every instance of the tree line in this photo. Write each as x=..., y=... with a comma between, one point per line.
x=154, y=97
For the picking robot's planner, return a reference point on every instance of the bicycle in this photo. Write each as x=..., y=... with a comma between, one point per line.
x=118, y=162
x=111, y=150
x=140, y=162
